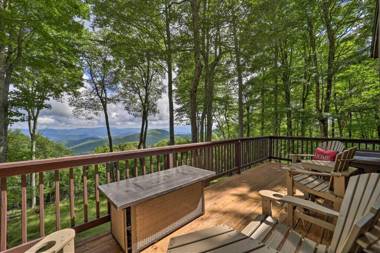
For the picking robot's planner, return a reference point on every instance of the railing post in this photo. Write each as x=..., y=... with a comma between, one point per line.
x=238, y=156
x=270, y=149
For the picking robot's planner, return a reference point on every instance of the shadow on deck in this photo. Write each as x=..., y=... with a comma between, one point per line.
x=233, y=201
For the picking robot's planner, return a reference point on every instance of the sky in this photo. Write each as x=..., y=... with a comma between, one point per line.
x=61, y=116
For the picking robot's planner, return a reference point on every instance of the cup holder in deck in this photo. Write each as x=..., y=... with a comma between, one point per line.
x=278, y=195
x=46, y=246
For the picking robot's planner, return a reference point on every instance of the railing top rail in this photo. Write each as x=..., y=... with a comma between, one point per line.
x=25, y=167
x=376, y=141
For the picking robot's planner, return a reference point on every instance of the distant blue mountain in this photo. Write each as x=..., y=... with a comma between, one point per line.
x=64, y=135
x=85, y=140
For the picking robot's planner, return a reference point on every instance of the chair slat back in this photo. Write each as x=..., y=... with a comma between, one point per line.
x=362, y=198
x=337, y=146
x=343, y=159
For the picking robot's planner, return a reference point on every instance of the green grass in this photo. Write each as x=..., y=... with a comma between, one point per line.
x=14, y=223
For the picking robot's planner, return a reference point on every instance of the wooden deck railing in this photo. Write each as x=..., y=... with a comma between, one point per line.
x=282, y=146
x=74, y=199
x=223, y=157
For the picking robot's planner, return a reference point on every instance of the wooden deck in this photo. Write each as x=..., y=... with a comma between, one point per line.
x=234, y=201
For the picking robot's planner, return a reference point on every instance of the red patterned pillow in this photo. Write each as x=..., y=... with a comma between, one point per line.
x=324, y=155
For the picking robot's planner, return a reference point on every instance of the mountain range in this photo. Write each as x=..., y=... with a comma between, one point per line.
x=85, y=140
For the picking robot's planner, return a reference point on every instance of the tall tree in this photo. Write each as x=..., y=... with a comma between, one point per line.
x=32, y=22
x=169, y=66
x=102, y=80
x=195, y=28
x=239, y=70
x=32, y=93
x=141, y=90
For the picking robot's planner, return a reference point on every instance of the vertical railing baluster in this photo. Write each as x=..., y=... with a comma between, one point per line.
x=57, y=201
x=116, y=164
x=151, y=164
x=42, y=203
x=24, y=221
x=143, y=166
x=238, y=156
x=72, y=197
x=108, y=178
x=97, y=197
x=158, y=163
x=85, y=194
x=181, y=161
x=136, y=168
x=4, y=214
x=209, y=158
x=127, y=168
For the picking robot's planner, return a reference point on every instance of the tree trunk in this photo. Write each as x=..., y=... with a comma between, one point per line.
x=262, y=128
x=239, y=76
x=197, y=70
x=142, y=131
x=169, y=63
x=5, y=78
x=210, y=90
x=248, y=108
x=145, y=130
x=285, y=69
x=32, y=125
x=33, y=176
x=206, y=68
x=202, y=126
x=105, y=111
x=326, y=14
x=315, y=67
x=350, y=125
x=4, y=91
x=276, y=121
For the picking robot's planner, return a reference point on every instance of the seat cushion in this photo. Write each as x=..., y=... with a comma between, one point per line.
x=324, y=155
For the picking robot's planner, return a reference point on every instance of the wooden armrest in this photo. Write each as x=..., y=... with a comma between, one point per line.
x=295, y=171
x=298, y=202
x=309, y=205
x=272, y=195
x=347, y=173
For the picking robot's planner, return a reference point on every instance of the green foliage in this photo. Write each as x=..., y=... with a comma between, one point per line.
x=19, y=147
x=178, y=140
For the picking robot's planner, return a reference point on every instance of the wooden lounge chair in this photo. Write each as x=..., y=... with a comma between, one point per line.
x=329, y=185
x=327, y=145
x=357, y=221
x=357, y=226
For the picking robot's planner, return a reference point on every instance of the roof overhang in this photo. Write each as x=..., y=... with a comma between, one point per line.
x=376, y=33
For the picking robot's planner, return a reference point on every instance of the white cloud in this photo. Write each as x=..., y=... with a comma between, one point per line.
x=46, y=121
x=60, y=115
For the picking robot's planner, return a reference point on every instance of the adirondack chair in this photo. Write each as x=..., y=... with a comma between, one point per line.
x=328, y=185
x=327, y=145
x=357, y=221
x=357, y=226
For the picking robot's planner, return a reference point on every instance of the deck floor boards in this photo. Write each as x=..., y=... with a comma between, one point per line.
x=234, y=201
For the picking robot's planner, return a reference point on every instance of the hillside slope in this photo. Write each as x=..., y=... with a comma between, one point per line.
x=88, y=145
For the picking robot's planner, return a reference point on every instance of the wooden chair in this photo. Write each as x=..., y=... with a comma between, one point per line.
x=328, y=185
x=327, y=145
x=357, y=226
x=357, y=221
